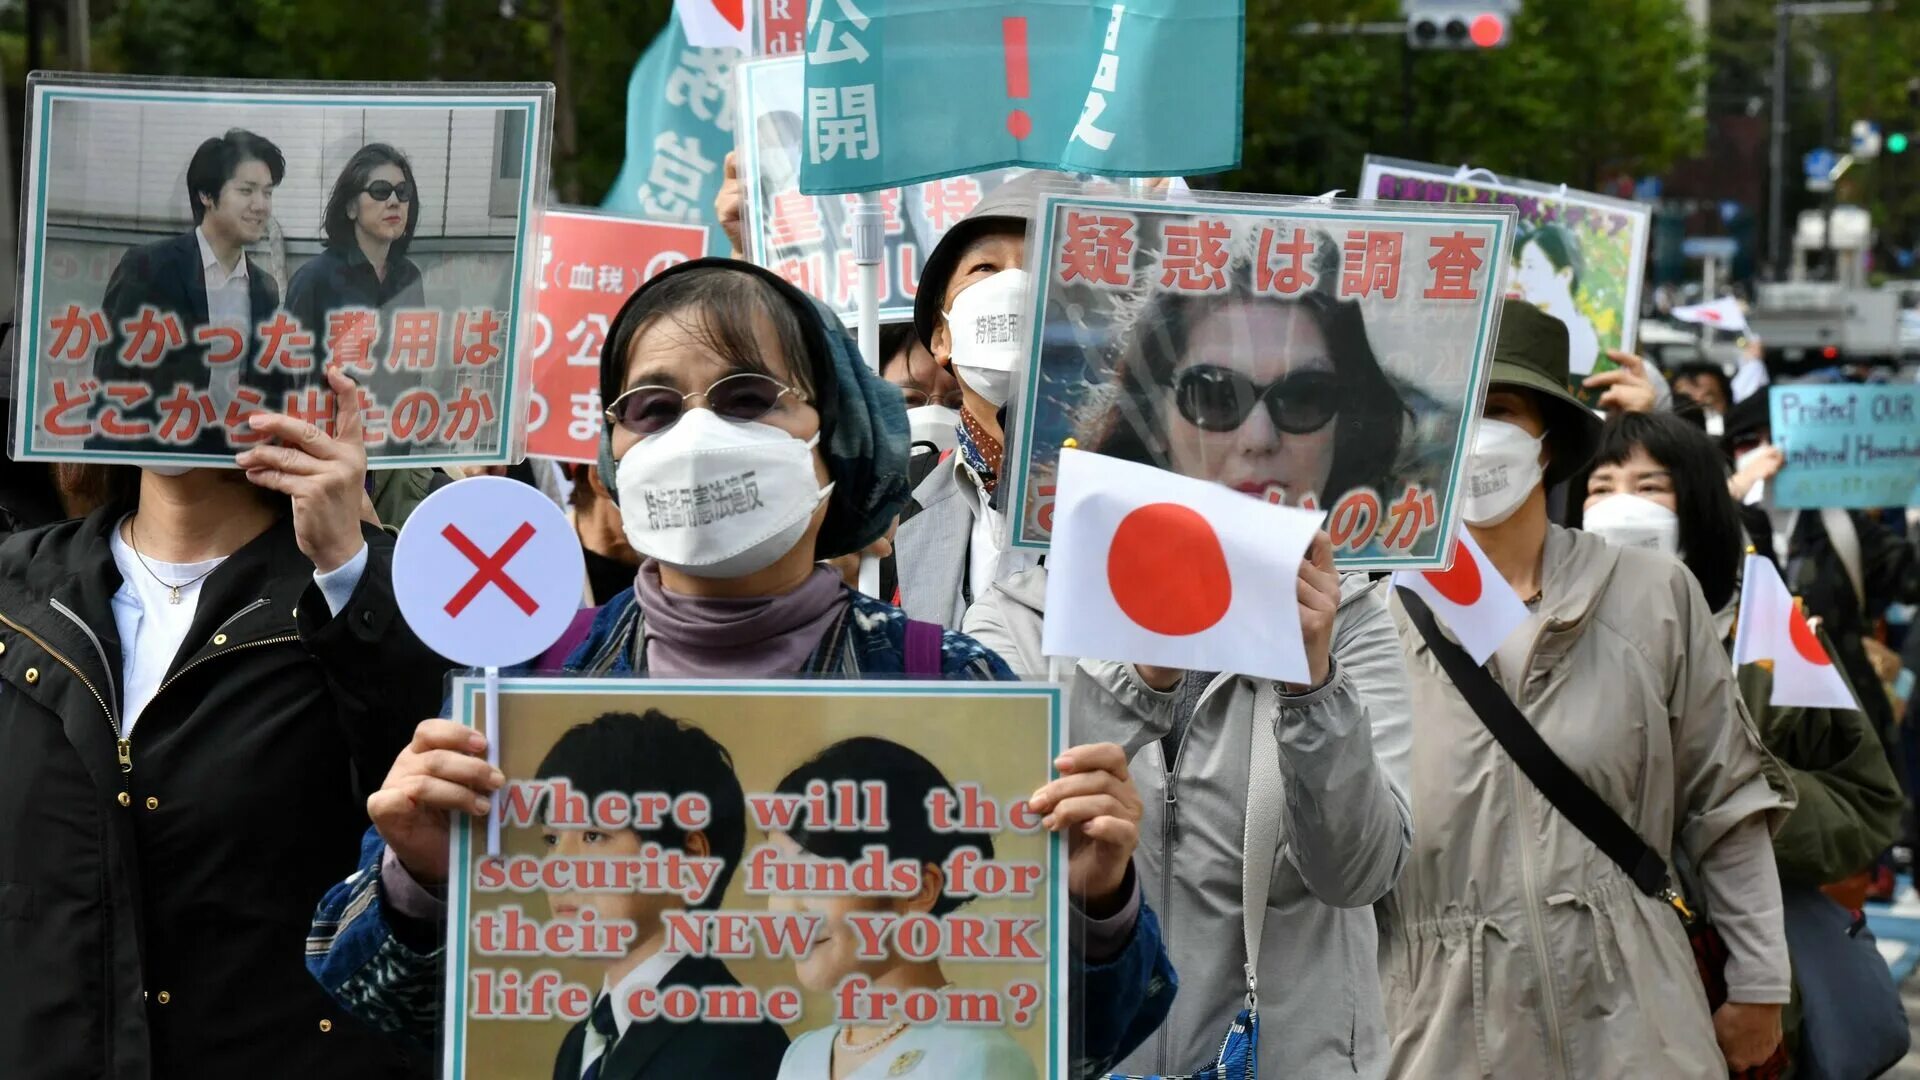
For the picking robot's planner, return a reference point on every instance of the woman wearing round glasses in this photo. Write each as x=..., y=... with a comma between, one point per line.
x=744, y=441
x=370, y=219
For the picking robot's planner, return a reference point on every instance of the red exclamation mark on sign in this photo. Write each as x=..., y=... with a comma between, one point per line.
x=1013, y=31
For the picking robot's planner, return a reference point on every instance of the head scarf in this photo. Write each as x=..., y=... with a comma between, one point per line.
x=864, y=434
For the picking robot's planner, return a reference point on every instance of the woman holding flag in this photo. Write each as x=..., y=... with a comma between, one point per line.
x=1518, y=942
x=724, y=378
x=1658, y=482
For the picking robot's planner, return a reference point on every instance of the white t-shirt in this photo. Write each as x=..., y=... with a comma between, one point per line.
x=151, y=626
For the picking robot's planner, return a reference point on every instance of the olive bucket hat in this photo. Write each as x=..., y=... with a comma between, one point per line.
x=1531, y=354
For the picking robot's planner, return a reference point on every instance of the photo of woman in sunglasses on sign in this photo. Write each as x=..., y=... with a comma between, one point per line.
x=370, y=219
x=1268, y=395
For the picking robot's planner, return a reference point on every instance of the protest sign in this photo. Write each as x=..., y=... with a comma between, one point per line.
x=1577, y=256
x=198, y=251
x=589, y=265
x=679, y=127
x=779, y=27
x=1850, y=446
x=761, y=856
x=808, y=239
x=902, y=93
x=1324, y=354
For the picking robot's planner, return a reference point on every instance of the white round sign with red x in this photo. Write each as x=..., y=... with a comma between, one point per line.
x=488, y=572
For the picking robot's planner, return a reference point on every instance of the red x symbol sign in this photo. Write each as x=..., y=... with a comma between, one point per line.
x=492, y=569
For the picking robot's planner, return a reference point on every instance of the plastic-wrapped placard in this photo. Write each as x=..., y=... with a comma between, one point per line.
x=762, y=880
x=1578, y=256
x=808, y=239
x=1320, y=353
x=195, y=251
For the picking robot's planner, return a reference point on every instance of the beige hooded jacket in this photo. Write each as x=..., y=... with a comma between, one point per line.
x=1511, y=945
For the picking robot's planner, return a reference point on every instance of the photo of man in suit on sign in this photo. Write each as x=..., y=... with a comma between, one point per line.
x=623, y=753
x=201, y=279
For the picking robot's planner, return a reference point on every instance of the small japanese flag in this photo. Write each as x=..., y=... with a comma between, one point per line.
x=1150, y=567
x=1722, y=314
x=1469, y=598
x=714, y=24
x=1773, y=628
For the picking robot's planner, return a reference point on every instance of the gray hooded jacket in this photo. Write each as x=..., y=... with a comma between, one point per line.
x=1343, y=840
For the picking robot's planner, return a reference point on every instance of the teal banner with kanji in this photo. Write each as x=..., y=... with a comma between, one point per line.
x=903, y=91
x=679, y=129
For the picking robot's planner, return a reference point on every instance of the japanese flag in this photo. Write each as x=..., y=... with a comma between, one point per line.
x=714, y=24
x=1722, y=314
x=1151, y=567
x=1772, y=628
x=1469, y=598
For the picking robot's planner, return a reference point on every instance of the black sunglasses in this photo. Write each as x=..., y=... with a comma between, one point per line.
x=382, y=191
x=1220, y=399
x=742, y=397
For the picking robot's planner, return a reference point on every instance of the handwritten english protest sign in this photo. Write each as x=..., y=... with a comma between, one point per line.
x=1578, y=256
x=1324, y=354
x=1856, y=447
x=744, y=873
x=200, y=250
x=589, y=265
x=808, y=239
x=903, y=93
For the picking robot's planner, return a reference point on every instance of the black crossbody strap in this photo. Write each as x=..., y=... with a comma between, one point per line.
x=1561, y=785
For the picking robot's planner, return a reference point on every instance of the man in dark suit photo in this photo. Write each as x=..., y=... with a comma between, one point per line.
x=200, y=279
x=624, y=753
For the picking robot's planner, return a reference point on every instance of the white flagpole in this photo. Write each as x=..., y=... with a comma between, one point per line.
x=868, y=244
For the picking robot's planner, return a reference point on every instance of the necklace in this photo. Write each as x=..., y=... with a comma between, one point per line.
x=851, y=1047
x=173, y=590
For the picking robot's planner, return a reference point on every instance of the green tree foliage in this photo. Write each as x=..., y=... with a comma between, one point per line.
x=1584, y=89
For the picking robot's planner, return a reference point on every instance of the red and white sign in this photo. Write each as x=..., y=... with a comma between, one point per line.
x=1151, y=567
x=780, y=28
x=589, y=265
x=1772, y=627
x=714, y=24
x=1469, y=598
x=488, y=572
x=1722, y=314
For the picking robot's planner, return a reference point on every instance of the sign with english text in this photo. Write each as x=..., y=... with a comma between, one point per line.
x=1850, y=446
x=751, y=869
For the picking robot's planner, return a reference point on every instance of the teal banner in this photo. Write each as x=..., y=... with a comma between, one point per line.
x=904, y=91
x=1850, y=446
x=679, y=129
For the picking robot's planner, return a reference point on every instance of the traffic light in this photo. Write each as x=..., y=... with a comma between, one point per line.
x=1897, y=143
x=1456, y=28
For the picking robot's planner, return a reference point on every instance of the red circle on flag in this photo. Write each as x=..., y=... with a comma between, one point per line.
x=734, y=11
x=1805, y=641
x=1167, y=595
x=1461, y=583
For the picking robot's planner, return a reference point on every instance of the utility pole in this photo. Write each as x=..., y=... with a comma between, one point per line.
x=79, y=30
x=1783, y=15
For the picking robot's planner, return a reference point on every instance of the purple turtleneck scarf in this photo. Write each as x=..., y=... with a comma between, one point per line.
x=756, y=637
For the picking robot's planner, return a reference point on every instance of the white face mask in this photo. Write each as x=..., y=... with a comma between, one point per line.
x=934, y=424
x=984, y=326
x=1716, y=424
x=1626, y=520
x=168, y=470
x=1502, y=471
x=716, y=499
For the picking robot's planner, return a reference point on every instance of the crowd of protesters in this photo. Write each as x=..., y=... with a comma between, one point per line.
x=227, y=776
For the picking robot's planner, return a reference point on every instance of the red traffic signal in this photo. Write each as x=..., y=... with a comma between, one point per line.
x=1456, y=28
x=1488, y=30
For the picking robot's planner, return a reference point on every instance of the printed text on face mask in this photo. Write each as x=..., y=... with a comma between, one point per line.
x=1479, y=486
x=996, y=329
x=702, y=504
